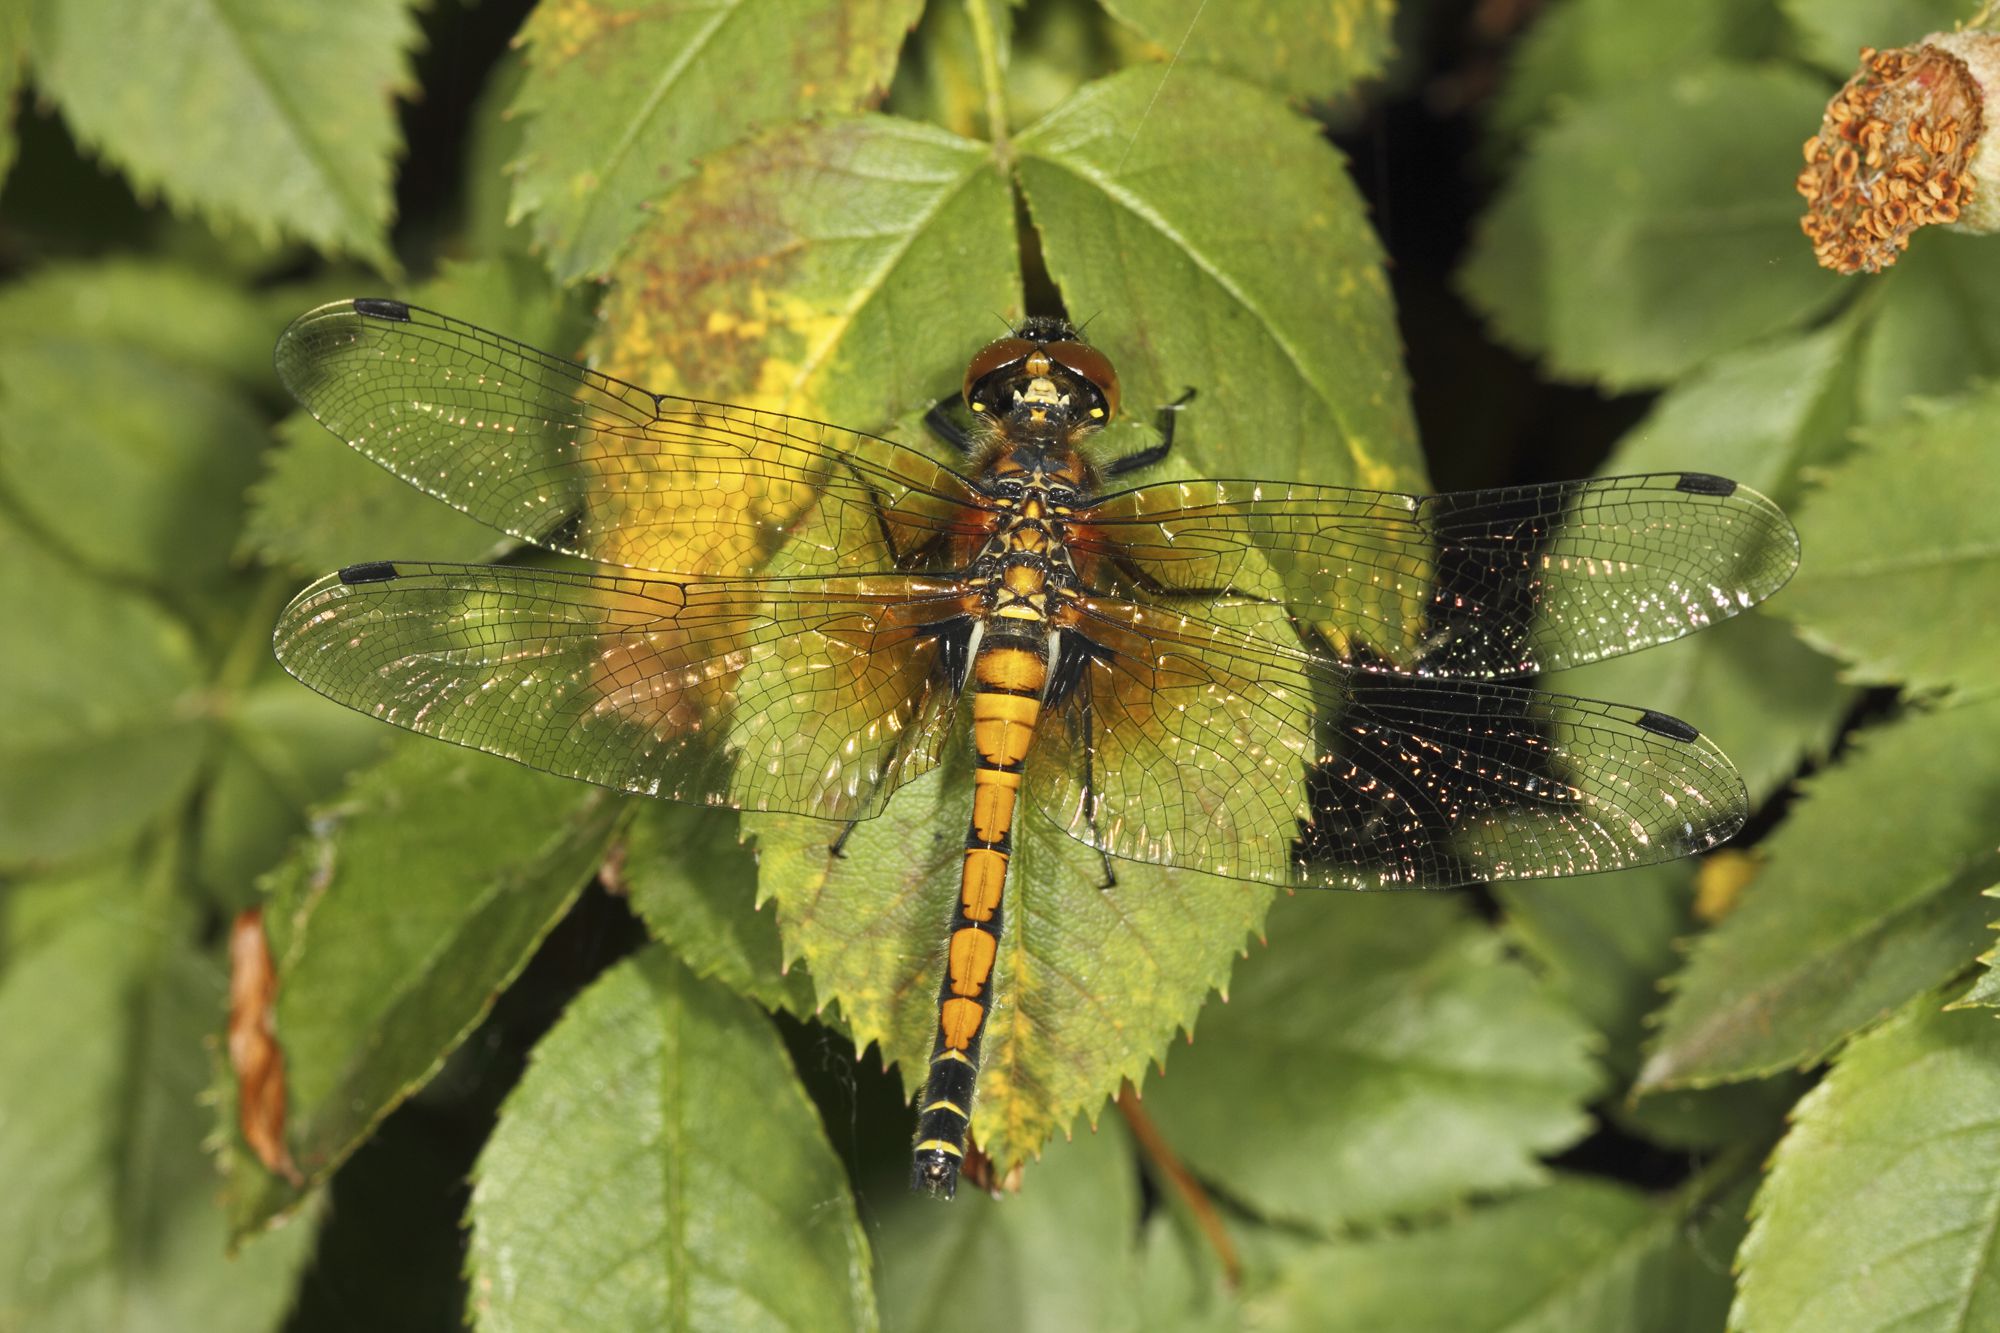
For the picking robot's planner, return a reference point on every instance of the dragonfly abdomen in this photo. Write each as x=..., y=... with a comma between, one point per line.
x=1007, y=680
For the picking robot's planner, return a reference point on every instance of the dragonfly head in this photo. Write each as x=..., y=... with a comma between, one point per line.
x=1046, y=368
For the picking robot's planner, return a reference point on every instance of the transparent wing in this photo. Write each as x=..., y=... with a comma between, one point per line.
x=578, y=462
x=1198, y=745
x=1475, y=584
x=815, y=696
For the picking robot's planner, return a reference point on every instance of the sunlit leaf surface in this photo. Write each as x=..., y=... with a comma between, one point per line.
x=1853, y=914
x=1317, y=51
x=1398, y=1062
x=1156, y=214
x=659, y=1166
x=622, y=97
x=1879, y=1209
x=1905, y=571
x=695, y=883
x=1578, y=1254
x=813, y=271
x=208, y=104
x=1933, y=327
x=420, y=895
x=1617, y=252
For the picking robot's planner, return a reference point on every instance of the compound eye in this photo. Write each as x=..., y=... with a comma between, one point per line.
x=1091, y=366
x=995, y=356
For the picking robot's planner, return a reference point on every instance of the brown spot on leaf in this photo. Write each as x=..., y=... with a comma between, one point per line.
x=254, y=1053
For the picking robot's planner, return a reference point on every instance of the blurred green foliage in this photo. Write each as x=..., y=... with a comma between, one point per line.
x=1407, y=1112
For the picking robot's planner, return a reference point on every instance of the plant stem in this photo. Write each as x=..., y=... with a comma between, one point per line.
x=1205, y=1214
x=990, y=76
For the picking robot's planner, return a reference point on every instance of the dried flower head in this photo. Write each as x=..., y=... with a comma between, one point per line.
x=1904, y=145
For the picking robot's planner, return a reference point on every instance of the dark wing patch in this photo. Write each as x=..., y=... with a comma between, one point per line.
x=1476, y=584
x=1195, y=744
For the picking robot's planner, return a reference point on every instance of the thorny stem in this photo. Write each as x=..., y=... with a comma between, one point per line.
x=1205, y=1215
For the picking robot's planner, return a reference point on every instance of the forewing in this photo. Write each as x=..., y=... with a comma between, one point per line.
x=578, y=462
x=812, y=696
x=1474, y=584
x=1198, y=745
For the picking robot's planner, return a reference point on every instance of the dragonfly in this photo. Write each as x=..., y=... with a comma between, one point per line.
x=1298, y=685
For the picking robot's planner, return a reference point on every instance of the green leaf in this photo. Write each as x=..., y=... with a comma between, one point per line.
x=1832, y=32
x=493, y=144
x=183, y=314
x=286, y=749
x=939, y=79
x=1759, y=415
x=1985, y=989
x=1607, y=945
x=111, y=1222
x=1182, y=1288
x=622, y=98
x=1052, y=51
x=100, y=725
x=1579, y=50
x=1317, y=51
x=13, y=65
x=695, y=885
x=1387, y=1043
x=1853, y=913
x=1091, y=983
x=1880, y=1208
x=1933, y=324
x=1226, y=248
x=759, y=285
x=659, y=1166
x=273, y=115
x=135, y=462
x=321, y=505
x=1904, y=569
x=421, y=894
x=1617, y=252
x=1060, y=1254
x=1579, y=1254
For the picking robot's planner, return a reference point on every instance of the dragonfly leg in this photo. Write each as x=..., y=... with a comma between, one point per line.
x=950, y=675
x=902, y=559
x=881, y=514
x=939, y=422
x=1159, y=591
x=1073, y=677
x=1148, y=457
